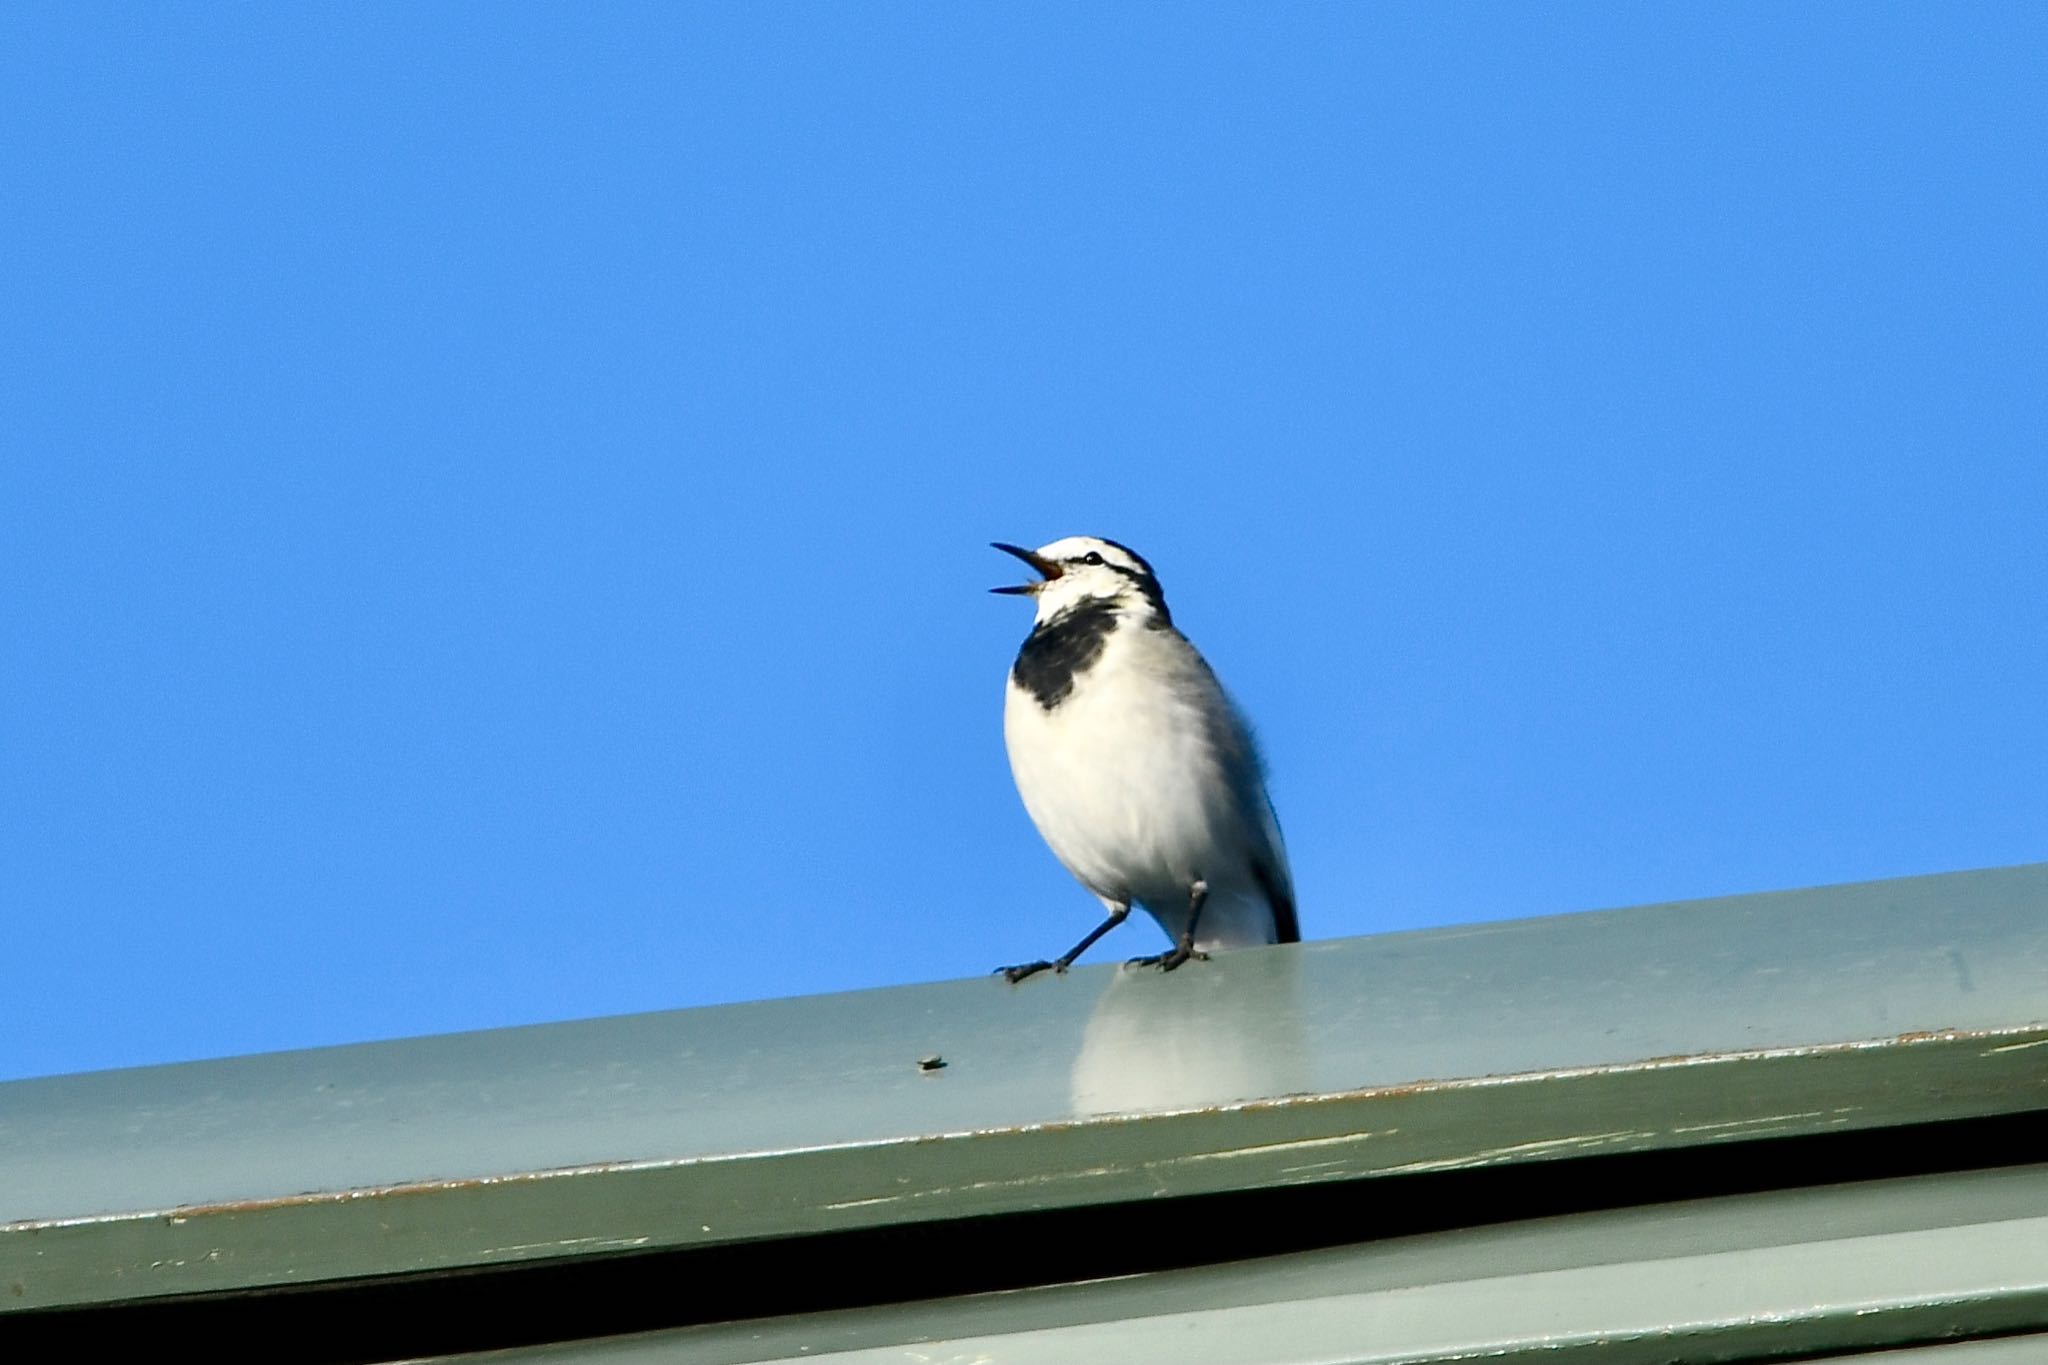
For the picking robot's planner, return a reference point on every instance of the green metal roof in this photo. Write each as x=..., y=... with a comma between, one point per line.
x=1749, y=1278
x=1659, y=1028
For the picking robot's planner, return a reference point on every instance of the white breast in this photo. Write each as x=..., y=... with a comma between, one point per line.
x=1138, y=782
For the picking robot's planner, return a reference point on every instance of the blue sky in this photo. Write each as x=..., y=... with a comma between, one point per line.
x=495, y=500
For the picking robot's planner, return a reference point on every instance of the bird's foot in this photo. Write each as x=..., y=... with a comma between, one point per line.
x=1166, y=962
x=1023, y=969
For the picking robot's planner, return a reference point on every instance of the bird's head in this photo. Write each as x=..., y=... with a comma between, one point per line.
x=1084, y=569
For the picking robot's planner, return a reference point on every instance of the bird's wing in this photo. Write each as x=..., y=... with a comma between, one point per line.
x=1237, y=746
x=1273, y=881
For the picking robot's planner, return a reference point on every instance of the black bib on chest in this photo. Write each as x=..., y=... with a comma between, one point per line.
x=1060, y=650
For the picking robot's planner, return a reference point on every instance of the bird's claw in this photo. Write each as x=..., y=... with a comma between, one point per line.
x=1166, y=962
x=1023, y=969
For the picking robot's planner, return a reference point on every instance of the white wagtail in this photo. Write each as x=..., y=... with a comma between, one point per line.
x=1133, y=763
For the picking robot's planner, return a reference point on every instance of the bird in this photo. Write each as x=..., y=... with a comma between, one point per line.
x=1133, y=762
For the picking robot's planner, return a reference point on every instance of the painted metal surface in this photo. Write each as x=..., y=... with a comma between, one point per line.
x=2028, y=1349
x=1877, y=1004
x=1831, y=1270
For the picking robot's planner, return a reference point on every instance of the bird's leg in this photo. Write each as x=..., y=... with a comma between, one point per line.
x=1023, y=969
x=1198, y=894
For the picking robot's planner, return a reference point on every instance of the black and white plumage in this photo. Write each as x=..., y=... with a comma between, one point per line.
x=1134, y=764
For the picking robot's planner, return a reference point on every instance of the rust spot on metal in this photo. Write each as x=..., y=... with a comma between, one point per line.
x=232, y=1208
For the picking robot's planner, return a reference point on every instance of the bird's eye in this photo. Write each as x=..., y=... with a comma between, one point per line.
x=1091, y=558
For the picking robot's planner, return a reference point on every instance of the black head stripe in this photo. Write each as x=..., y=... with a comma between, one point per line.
x=1132, y=553
x=1143, y=579
x=1148, y=588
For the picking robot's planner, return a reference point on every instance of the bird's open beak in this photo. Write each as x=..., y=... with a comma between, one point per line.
x=1049, y=568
